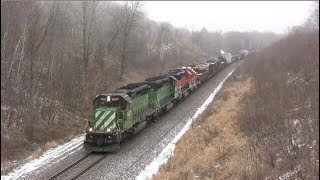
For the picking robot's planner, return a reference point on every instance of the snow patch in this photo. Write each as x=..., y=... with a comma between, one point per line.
x=167, y=152
x=289, y=174
x=54, y=154
x=5, y=108
x=295, y=122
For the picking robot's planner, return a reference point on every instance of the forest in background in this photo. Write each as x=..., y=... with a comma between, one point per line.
x=56, y=56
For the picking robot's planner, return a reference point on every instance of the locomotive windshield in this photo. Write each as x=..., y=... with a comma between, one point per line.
x=109, y=101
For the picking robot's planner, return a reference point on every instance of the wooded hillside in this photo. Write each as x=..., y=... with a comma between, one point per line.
x=56, y=56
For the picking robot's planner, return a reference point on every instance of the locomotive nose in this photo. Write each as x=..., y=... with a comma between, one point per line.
x=105, y=120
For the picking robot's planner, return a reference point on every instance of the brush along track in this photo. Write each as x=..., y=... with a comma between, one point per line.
x=68, y=170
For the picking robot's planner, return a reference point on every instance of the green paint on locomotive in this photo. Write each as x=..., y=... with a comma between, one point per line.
x=121, y=119
x=136, y=111
x=162, y=96
x=118, y=115
x=105, y=119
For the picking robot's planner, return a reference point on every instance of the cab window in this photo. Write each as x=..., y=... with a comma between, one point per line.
x=108, y=102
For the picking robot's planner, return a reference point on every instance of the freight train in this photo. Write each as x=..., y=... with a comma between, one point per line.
x=122, y=113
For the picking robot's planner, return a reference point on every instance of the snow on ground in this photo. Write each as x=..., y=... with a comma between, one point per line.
x=167, y=152
x=54, y=154
x=288, y=175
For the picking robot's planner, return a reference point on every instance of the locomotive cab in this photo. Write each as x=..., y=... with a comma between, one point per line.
x=108, y=110
x=104, y=129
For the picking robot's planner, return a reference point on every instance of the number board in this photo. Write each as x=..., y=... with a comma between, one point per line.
x=114, y=99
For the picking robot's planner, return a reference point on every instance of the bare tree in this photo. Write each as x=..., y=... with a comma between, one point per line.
x=131, y=13
x=314, y=17
x=87, y=24
x=115, y=14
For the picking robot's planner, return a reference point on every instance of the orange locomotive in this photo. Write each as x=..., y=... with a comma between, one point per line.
x=186, y=81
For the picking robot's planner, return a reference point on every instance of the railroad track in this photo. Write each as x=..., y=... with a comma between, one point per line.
x=186, y=114
x=84, y=170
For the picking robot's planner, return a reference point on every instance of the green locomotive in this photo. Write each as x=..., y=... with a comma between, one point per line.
x=161, y=93
x=120, y=114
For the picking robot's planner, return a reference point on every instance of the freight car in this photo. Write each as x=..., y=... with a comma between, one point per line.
x=203, y=72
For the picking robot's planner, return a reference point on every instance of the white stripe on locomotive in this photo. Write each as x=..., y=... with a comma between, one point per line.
x=108, y=121
x=97, y=113
x=101, y=118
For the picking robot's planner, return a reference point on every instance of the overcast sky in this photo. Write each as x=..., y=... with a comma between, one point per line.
x=274, y=16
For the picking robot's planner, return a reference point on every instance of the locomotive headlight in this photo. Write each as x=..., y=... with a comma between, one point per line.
x=90, y=129
x=108, y=130
x=108, y=98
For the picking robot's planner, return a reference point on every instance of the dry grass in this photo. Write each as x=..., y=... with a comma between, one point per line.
x=214, y=147
x=264, y=123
